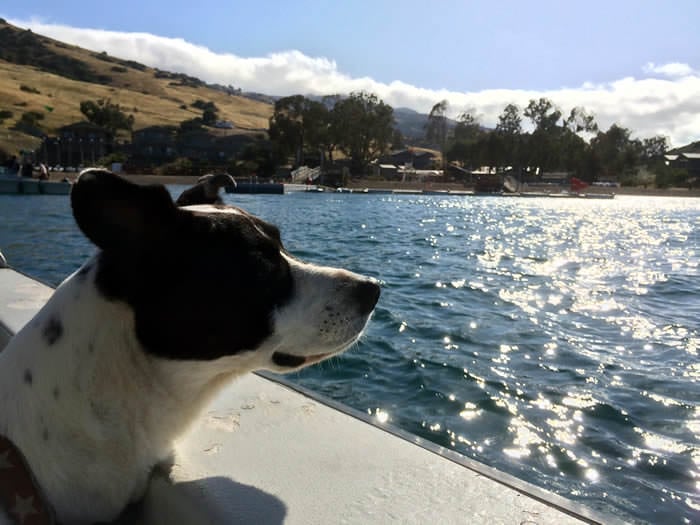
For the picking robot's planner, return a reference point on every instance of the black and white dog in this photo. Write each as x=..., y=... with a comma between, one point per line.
x=177, y=302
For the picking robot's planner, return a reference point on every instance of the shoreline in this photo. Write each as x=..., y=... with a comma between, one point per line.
x=391, y=185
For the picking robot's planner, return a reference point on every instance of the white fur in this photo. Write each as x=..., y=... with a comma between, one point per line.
x=99, y=412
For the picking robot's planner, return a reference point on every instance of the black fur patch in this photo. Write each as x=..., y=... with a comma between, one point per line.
x=53, y=330
x=201, y=286
x=82, y=273
x=287, y=360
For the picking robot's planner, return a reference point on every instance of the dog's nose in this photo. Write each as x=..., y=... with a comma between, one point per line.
x=366, y=294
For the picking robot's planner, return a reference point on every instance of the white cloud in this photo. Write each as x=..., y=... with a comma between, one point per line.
x=649, y=106
x=672, y=69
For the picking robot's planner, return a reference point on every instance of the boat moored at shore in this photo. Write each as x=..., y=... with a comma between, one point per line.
x=12, y=185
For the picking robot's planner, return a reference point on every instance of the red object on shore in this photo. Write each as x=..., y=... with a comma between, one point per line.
x=578, y=184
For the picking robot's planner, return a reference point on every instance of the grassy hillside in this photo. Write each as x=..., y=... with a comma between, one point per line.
x=38, y=73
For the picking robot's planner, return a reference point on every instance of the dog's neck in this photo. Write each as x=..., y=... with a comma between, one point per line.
x=74, y=380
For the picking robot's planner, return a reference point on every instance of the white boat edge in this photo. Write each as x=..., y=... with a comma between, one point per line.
x=267, y=451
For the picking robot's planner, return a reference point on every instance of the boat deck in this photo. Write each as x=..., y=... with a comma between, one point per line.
x=266, y=453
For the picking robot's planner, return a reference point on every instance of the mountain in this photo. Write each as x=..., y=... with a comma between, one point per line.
x=43, y=81
x=47, y=79
x=411, y=123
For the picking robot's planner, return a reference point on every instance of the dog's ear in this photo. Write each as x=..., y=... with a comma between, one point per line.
x=114, y=213
x=206, y=191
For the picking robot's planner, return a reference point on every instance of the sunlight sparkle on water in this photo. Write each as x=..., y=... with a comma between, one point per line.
x=381, y=415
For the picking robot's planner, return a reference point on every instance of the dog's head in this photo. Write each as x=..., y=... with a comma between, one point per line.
x=209, y=281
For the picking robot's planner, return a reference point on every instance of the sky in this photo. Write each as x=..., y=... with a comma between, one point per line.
x=635, y=63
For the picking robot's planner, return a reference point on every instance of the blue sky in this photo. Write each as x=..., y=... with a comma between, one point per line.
x=635, y=63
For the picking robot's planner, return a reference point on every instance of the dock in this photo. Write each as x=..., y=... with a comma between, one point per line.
x=268, y=452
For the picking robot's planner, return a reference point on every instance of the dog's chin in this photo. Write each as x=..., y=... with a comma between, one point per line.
x=292, y=361
x=287, y=362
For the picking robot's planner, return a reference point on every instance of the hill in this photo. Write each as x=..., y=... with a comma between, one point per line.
x=45, y=76
x=45, y=81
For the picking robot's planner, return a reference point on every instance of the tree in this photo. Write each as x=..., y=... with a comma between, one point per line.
x=579, y=120
x=328, y=136
x=298, y=125
x=436, y=127
x=189, y=126
x=363, y=127
x=286, y=127
x=510, y=121
x=544, y=140
x=317, y=135
x=397, y=140
x=616, y=152
x=543, y=114
x=654, y=148
x=467, y=128
x=209, y=116
x=29, y=123
x=467, y=144
x=107, y=115
x=509, y=130
x=256, y=159
x=210, y=113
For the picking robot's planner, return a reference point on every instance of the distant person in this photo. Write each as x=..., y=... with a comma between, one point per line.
x=43, y=172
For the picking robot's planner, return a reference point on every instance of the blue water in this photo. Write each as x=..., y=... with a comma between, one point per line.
x=554, y=339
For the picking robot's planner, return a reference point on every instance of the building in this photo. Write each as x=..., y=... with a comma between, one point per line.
x=157, y=145
x=687, y=161
x=154, y=145
x=417, y=159
x=77, y=144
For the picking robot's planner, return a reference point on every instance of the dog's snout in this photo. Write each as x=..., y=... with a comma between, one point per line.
x=366, y=293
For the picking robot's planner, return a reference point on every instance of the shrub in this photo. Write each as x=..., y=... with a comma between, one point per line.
x=201, y=104
x=104, y=56
x=671, y=178
x=29, y=123
x=29, y=89
x=112, y=157
x=32, y=116
x=135, y=65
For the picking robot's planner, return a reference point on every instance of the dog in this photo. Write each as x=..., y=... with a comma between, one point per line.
x=175, y=304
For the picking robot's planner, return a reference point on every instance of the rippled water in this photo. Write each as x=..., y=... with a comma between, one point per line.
x=555, y=339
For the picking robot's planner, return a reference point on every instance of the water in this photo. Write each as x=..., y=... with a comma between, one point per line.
x=554, y=339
